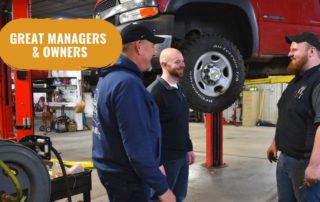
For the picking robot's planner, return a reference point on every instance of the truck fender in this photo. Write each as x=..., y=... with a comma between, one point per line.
x=245, y=5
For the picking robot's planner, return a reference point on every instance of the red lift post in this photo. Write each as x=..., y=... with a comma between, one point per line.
x=23, y=84
x=214, y=140
x=23, y=90
x=6, y=115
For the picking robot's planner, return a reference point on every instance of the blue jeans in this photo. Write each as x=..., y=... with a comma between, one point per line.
x=313, y=193
x=290, y=175
x=177, y=175
x=120, y=190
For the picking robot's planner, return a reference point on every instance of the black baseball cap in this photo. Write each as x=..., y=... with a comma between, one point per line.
x=308, y=37
x=135, y=32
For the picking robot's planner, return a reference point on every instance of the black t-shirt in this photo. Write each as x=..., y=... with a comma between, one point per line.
x=299, y=115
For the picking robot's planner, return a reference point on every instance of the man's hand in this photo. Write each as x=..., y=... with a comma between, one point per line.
x=168, y=196
x=312, y=175
x=272, y=153
x=312, y=172
x=163, y=171
x=192, y=157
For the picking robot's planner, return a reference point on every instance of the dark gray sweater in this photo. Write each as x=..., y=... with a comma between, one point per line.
x=174, y=119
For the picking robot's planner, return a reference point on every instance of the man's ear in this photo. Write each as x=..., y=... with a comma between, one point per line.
x=313, y=51
x=137, y=46
x=163, y=64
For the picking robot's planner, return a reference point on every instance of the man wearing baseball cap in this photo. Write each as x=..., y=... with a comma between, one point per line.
x=298, y=133
x=126, y=126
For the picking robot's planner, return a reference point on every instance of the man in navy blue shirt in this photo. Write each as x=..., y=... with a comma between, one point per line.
x=126, y=128
x=298, y=132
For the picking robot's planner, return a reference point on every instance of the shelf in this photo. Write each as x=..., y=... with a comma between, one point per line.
x=59, y=104
x=42, y=90
x=52, y=78
x=63, y=85
x=66, y=88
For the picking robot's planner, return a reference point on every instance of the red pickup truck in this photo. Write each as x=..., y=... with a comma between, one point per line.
x=223, y=41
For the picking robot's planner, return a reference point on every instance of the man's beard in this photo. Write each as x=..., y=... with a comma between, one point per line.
x=176, y=73
x=295, y=67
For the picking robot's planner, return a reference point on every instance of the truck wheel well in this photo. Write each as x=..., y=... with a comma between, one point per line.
x=229, y=21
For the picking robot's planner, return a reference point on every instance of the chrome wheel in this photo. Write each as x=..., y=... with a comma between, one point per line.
x=213, y=74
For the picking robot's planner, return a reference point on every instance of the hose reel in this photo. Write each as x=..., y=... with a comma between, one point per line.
x=29, y=170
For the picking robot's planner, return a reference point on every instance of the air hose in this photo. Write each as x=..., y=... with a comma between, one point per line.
x=64, y=173
x=10, y=173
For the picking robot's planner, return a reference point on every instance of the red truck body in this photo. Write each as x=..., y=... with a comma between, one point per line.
x=292, y=16
x=223, y=41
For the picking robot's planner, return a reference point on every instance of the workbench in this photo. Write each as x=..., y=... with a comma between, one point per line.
x=79, y=183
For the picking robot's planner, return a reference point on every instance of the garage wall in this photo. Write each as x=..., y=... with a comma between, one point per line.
x=272, y=96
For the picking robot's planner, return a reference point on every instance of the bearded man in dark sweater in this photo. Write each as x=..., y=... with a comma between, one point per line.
x=177, y=152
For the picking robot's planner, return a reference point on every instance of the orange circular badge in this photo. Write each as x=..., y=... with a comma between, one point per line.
x=47, y=44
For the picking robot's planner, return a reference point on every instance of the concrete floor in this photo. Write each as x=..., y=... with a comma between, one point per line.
x=247, y=177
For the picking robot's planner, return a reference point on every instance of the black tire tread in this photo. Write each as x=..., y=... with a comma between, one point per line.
x=225, y=100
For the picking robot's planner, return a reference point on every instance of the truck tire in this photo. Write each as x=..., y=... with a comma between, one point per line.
x=214, y=74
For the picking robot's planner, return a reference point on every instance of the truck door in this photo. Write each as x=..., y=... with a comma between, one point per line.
x=279, y=18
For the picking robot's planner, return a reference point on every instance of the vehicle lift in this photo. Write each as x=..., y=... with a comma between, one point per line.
x=23, y=174
x=23, y=88
x=214, y=141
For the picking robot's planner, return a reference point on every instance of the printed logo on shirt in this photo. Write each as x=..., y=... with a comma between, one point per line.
x=95, y=121
x=183, y=94
x=300, y=92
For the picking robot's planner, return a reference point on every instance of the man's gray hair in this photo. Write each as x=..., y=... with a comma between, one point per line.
x=126, y=47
